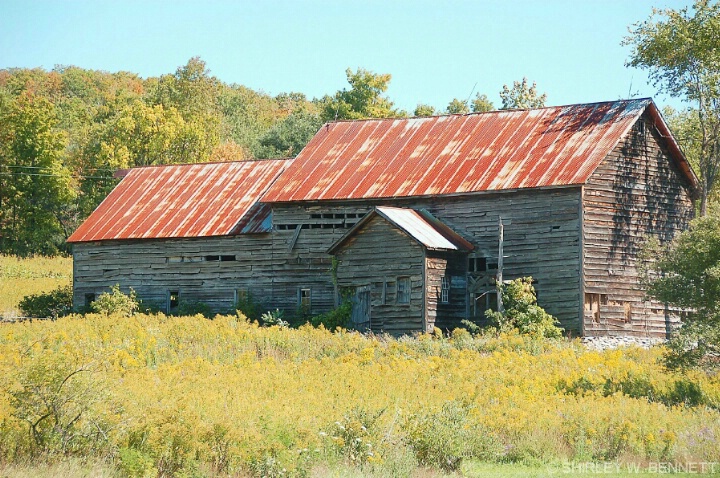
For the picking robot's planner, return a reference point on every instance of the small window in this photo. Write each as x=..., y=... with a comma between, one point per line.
x=305, y=299
x=227, y=258
x=212, y=258
x=477, y=264
x=403, y=290
x=173, y=300
x=89, y=299
x=445, y=290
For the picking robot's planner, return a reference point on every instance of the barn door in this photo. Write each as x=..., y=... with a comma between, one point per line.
x=361, y=309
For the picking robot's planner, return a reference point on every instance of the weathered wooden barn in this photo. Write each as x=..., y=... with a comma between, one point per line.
x=193, y=232
x=406, y=213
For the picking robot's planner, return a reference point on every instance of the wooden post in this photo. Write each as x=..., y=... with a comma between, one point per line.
x=499, y=278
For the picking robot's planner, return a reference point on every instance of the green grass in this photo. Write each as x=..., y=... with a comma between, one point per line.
x=21, y=277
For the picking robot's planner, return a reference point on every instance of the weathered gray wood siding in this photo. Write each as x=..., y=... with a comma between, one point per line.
x=542, y=239
x=147, y=266
x=300, y=258
x=637, y=191
x=377, y=256
x=453, y=266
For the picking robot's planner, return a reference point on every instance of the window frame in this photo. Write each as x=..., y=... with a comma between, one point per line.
x=403, y=297
x=445, y=284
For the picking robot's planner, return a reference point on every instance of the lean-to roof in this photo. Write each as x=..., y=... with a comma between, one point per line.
x=188, y=200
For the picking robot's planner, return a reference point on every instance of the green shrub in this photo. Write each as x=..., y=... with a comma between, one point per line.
x=55, y=303
x=523, y=313
x=116, y=302
x=248, y=307
x=338, y=317
x=447, y=437
x=190, y=307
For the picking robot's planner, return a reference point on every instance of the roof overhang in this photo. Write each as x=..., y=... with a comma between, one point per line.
x=421, y=226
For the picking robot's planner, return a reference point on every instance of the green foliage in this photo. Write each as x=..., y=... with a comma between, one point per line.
x=54, y=399
x=192, y=307
x=338, y=317
x=457, y=106
x=424, y=110
x=116, y=302
x=249, y=307
x=364, y=99
x=289, y=135
x=274, y=317
x=55, y=303
x=521, y=96
x=681, y=51
x=444, y=438
x=481, y=104
x=523, y=313
x=686, y=275
x=35, y=186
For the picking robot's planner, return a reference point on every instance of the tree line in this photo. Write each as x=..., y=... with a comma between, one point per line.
x=64, y=133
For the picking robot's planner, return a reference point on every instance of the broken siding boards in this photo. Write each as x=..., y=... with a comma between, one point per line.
x=452, y=267
x=636, y=192
x=150, y=268
x=380, y=255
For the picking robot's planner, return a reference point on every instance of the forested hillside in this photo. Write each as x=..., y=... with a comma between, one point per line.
x=65, y=132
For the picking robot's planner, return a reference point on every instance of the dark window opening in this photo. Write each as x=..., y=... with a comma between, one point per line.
x=212, y=258
x=173, y=300
x=227, y=258
x=305, y=299
x=89, y=299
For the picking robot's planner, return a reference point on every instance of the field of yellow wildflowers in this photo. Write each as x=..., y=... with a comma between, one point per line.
x=185, y=396
x=25, y=276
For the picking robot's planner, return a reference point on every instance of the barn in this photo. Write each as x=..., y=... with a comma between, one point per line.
x=407, y=214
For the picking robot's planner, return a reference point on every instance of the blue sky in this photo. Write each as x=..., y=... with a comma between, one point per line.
x=435, y=50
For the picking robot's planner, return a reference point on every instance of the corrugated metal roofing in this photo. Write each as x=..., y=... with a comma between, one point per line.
x=499, y=150
x=188, y=200
x=420, y=225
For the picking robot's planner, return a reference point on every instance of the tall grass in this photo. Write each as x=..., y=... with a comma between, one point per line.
x=20, y=277
x=172, y=396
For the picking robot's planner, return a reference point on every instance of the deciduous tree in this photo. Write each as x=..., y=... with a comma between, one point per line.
x=681, y=51
x=521, y=96
x=364, y=99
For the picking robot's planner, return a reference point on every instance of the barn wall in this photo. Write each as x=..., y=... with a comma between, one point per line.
x=637, y=191
x=299, y=256
x=542, y=240
x=149, y=267
x=377, y=256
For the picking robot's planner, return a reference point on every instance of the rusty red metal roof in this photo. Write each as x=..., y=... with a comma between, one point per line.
x=499, y=150
x=188, y=200
x=421, y=226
